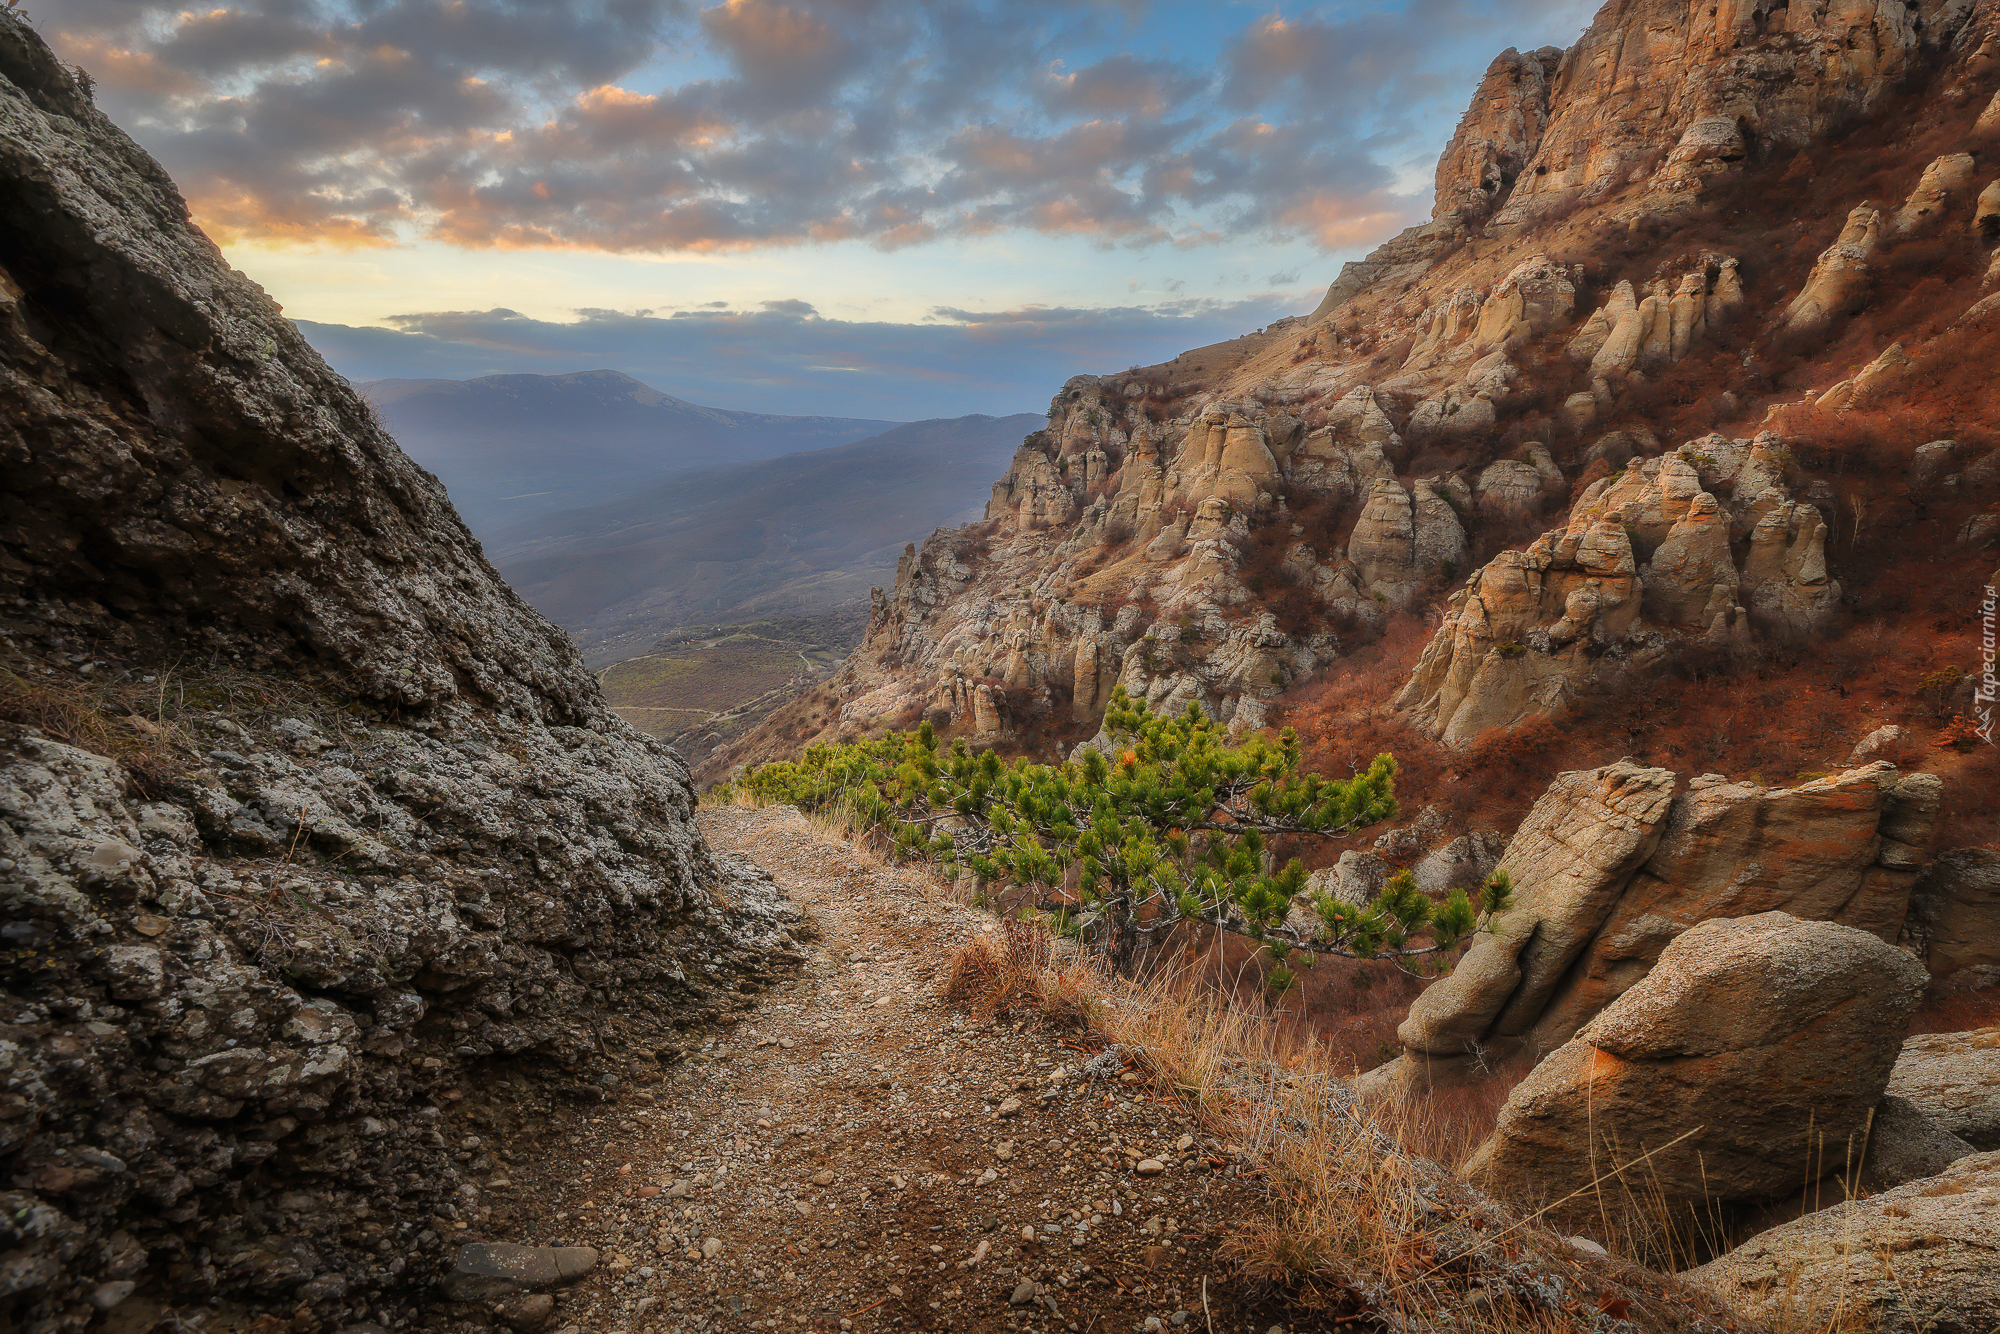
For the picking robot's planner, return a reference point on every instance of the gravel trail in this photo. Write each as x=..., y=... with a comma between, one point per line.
x=852, y=1153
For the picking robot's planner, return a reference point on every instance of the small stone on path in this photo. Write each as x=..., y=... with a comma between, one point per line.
x=487, y=1270
x=527, y=1311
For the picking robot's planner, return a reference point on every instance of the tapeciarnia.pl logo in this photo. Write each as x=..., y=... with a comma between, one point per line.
x=1989, y=687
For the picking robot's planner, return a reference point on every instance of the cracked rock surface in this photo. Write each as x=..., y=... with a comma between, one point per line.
x=311, y=831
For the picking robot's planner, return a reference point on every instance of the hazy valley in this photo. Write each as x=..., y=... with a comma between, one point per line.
x=701, y=517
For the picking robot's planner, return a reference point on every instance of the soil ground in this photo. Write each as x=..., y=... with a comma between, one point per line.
x=845, y=1155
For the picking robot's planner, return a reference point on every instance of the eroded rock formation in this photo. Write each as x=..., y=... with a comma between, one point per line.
x=311, y=832
x=1613, y=865
x=1219, y=527
x=1704, y=82
x=1648, y=561
x=1766, y=1037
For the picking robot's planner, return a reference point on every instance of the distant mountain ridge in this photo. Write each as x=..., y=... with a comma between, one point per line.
x=774, y=537
x=509, y=447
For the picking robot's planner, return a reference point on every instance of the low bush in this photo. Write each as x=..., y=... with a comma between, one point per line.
x=1120, y=852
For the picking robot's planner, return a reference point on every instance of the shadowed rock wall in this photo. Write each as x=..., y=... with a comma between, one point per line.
x=312, y=833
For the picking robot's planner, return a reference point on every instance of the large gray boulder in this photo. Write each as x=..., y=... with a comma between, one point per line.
x=1919, y=1259
x=1771, y=1037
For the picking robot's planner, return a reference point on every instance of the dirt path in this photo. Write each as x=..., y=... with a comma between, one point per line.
x=855, y=1154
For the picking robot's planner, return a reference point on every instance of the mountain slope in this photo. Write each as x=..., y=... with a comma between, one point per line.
x=772, y=538
x=508, y=447
x=314, y=837
x=1686, y=380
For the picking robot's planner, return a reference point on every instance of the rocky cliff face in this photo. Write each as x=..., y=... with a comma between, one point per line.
x=1648, y=561
x=313, y=836
x=1668, y=95
x=1610, y=411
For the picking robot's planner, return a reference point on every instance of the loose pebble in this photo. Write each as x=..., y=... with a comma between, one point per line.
x=835, y=1140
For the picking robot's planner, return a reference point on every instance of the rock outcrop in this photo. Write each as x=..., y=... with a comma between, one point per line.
x=1647, y=562
x=1917, y=1258
x=1839, y=281
x=311, y=832
x=1499, y=132
x=1221, y=526
x=1611, y=866
x=1954, y=1080
x=1703, y=82
x=1944, y=180
x=1954, y=920
x=1769, y=1037
x=1571, y=858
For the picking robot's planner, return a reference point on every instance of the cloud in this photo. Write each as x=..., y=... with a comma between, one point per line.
x=786, y=358
x=674, y=125
x=1120, y=85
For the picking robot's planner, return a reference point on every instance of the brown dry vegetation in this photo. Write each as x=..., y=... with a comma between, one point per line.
x=137, y=719
x=1345, y=1233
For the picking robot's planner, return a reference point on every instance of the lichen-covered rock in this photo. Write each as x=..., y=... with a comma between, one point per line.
x=1768, y=1037
x=1954, y=1079
x=320, y=828
x=1918, y=1258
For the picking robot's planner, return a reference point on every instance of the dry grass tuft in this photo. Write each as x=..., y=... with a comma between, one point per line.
x=1367, y=1222
x=146, y=722
x=132, y=723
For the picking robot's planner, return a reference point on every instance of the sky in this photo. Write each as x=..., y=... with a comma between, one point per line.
x=876, y=208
